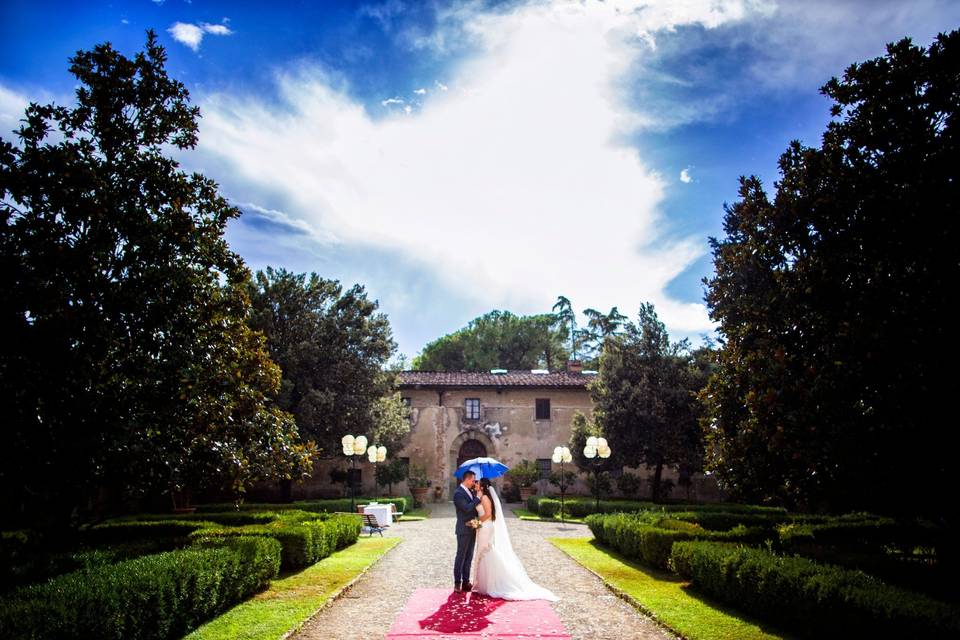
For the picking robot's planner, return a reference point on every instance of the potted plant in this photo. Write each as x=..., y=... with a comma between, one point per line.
x=524, y=474
x=418, y=483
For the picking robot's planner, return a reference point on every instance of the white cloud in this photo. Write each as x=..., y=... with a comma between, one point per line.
x=515, y=187
x=685, y=176
x=390, y=101
x=420, y=92
x=192, y=35
x=12, y=105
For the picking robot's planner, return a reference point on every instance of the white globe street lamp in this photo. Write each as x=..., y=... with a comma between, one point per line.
x=561, y=456
x=376, y=454
x=352, y=448
x=596, y=451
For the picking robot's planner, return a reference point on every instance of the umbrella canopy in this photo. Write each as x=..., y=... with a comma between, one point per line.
x=483, y=467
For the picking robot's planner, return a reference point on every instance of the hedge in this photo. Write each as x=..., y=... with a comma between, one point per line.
x=304, y=538
x=334, y=505
x=117, y=531
x=580, y=506
x=157, y=596
x=816, y=600
x=863, y=532
x=649, y=537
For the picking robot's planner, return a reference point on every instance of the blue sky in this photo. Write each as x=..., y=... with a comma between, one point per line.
x=458, y=157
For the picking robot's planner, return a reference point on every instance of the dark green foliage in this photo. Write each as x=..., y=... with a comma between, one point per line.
x=157, y=596
x=128, y=367
x=122, y=530
x=812, y=599
x=332, y=346
x=645, y=399
x=649, y=537
x=316, y=506
x=831, y=299
x=579, y=506
x=305, y=538
x=498, y=339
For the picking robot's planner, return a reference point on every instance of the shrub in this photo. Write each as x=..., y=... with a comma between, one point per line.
x=316, y=506
x=116, y=531
x=156, y=596
x=533, y=503
x=549, y=507
x=859, y=531
x=817, y=600
x=649, y=537
x=304, y=537
x=524, y=473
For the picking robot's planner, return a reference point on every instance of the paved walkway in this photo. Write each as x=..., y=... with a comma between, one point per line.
x=425, y=559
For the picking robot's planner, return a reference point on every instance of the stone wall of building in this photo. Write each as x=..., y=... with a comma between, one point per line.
x=507, y=430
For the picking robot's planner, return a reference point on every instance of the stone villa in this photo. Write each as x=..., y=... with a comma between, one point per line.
x=508, y=415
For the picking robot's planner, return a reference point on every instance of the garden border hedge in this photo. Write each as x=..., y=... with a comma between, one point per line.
x=814, y=599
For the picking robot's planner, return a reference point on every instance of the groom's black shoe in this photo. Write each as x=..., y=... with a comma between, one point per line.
x=456, y=586
x=467, y=586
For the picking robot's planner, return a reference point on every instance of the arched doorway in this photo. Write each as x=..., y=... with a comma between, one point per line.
x=470, y=449
x=468, y=444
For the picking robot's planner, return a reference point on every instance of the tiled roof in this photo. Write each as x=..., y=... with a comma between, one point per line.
x=512, y=378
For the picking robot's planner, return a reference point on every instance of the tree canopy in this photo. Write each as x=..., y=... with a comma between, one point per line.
x=832, y=300
x=128, y=365
x=498, y=339
x=645, y=398
x=332, y=346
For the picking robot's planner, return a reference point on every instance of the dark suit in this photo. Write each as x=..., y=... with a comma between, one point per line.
x=466, y=506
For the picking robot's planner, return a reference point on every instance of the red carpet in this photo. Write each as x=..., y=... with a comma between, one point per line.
x=443, y=613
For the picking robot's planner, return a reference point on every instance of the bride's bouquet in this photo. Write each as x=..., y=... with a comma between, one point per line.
x=475, y=523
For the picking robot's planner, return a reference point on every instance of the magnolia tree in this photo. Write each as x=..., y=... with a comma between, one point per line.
x=128, y=365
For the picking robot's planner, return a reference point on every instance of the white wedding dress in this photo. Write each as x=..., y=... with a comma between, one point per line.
x=497, y=571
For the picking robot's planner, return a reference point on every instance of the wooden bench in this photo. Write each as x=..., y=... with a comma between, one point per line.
x=396, y=515
x=371, y=525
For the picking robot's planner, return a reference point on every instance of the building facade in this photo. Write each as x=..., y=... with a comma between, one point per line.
x=508, y=415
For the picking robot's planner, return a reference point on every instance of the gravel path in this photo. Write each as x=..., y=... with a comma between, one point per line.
x=425, y=559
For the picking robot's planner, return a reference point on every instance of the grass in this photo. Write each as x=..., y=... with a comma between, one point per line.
x=664, y=596
x=524, y=514
x=291, y=600
x=415, y=514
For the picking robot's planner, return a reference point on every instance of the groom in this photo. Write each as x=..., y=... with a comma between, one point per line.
x=466, y=503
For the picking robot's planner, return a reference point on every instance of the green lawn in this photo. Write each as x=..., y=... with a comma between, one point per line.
x=523, y=514
x=415, y=514
x=291, y=600
x=665, y=596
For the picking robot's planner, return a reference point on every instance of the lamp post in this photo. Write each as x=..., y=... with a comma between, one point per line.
x=562, y=455
x=375, y=455
x=597, y=450
x=353, y=447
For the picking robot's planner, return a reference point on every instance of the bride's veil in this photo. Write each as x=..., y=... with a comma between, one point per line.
x=511, y=578
x=500, y=536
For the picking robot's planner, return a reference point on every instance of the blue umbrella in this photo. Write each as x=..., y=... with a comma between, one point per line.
x=483, y=467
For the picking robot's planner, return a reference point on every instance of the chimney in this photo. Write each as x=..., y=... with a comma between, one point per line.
x=574, y=366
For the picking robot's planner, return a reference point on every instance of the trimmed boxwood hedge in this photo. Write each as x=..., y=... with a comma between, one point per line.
x=156, y=596
x=649, y=537
x=305, y=538
x=579, y=506
x=335, y=505
x=117, y=531
x=813, y=599
x=860, y=532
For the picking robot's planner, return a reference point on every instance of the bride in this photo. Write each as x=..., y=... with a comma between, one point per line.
x=497, y=570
